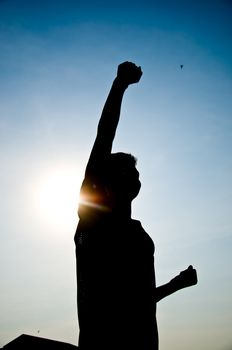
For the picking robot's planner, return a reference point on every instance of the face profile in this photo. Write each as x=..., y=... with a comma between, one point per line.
x=123, y=176
x=130, y=183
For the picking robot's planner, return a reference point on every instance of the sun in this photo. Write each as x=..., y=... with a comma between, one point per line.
x=56, y=196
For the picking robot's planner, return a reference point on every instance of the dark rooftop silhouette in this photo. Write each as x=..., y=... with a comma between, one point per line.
x=25, y=341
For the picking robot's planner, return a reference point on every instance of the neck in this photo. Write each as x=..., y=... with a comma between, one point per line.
x=122, y=210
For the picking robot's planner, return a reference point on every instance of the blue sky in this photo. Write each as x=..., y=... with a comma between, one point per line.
x=57, y=63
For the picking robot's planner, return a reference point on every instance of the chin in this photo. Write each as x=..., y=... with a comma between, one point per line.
x=135, y=190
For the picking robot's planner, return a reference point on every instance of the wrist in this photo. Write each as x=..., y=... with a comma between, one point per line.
x=120, y=83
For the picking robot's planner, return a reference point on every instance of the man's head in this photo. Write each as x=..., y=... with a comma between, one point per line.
x=122, y=176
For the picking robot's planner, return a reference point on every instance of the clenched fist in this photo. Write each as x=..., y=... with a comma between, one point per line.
x=186, y=278
x=128, y=73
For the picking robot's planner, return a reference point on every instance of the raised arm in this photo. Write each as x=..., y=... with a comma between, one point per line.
x=186, y=278
x=93, y=194
x=127, y=73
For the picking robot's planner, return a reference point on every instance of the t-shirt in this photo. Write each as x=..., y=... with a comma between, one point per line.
x=116, y=284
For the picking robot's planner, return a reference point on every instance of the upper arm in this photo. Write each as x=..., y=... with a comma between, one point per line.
x=93, y=196
x=99, y=154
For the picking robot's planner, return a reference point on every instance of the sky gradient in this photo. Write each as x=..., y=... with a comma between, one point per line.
x=57, y=62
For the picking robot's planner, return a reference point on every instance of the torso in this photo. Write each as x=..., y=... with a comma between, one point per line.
x=116, y=285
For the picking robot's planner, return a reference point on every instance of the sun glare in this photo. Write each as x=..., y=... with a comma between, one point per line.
x=57, y=194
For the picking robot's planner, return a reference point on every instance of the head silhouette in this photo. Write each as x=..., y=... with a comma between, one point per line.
x=122, y=177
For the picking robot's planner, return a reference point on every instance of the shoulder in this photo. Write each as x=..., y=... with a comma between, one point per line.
x=93, y=200
x=91, y=230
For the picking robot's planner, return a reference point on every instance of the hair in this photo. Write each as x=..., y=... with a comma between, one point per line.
x=118, y=166
x=120, y=160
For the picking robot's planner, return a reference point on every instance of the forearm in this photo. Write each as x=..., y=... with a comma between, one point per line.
x=186, y=278
x=111, y=112
x=165, y=290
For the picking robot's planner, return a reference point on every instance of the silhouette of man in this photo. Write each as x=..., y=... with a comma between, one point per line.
x=117, y=292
